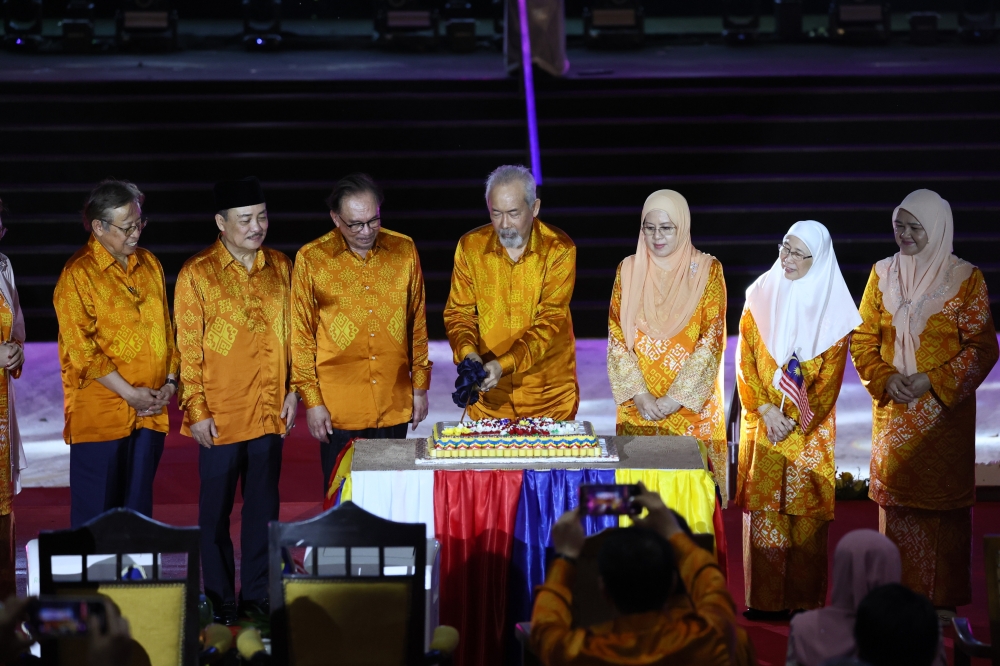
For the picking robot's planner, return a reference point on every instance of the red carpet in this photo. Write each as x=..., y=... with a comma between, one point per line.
x=771, y=638
x=176, y=502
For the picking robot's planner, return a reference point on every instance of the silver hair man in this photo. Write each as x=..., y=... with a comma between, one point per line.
x=509, y=174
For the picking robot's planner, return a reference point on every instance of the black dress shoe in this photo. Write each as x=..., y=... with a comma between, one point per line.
x=767, y=616
x=258, y=608
x=225, y=613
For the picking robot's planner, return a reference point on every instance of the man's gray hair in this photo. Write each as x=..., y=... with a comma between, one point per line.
x=512, y=173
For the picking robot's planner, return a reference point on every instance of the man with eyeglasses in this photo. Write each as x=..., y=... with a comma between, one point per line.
x=116, y=351
x=359, y=326
x=232, y=311
x=509, y=305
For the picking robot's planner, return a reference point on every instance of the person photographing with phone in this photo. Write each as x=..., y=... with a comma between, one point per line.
x=671, y=597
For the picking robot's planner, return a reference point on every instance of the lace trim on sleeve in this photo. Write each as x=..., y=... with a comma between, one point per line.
x=695, y=382
x=624, y=373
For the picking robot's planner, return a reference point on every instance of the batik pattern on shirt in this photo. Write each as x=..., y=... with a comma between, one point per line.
x=233, y=327
x=517, y=312
x=686, y=368
x=111, y=318
x=359, y=330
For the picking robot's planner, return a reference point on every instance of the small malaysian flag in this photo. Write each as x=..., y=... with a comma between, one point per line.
x=792, y=384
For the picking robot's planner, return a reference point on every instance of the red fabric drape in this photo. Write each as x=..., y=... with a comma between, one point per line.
x=721, y=550
x=474, y=515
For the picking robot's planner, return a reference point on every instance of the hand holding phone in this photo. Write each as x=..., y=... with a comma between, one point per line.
x=609, y=499
x=53, y=617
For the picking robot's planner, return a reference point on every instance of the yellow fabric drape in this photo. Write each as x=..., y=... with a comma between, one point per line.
x=343, y=473
x=691, y=493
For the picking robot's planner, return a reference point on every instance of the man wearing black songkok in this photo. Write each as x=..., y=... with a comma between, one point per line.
x=231, y=304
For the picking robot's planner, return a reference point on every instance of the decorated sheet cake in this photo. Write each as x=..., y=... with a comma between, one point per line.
x=514, y=438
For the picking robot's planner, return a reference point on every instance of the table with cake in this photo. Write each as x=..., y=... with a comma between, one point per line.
x=489, y=491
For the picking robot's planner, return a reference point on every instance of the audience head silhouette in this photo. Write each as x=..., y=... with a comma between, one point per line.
x=896, y=627
x=638, y=570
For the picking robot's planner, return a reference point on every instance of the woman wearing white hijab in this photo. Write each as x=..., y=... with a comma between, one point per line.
x=926, y=344
x=11, y=452
x=666, y=333
x=793, y=332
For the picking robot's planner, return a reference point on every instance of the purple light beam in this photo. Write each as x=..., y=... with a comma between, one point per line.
x=529, y=91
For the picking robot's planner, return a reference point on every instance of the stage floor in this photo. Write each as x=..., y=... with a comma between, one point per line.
x=666, y=60
x=40, y=416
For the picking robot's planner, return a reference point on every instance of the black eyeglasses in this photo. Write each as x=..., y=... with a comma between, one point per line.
x=129, y=230
x=374, y=223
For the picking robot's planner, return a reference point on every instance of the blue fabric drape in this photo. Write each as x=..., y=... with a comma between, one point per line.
x=545, y=495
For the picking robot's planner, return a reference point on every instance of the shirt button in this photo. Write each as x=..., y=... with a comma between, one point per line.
x=369, y=312
x=372, y=334
x=373, y=358
x=367, y=287
x=374, y=382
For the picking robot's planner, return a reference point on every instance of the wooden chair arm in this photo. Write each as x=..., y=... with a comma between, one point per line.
x=965, y=641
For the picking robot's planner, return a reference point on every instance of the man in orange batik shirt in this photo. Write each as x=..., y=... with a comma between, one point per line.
x=359, y=328
x=116, y=351
x=232, y=310
x=509, y=305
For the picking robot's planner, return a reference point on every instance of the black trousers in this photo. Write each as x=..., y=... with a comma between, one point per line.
x=256, y=464
x=112, y=474
x=330, y=449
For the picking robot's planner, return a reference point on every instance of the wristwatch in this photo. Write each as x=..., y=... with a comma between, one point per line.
x=172, y=381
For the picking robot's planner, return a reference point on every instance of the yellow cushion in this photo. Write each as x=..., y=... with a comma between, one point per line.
x=155, y=614
x=346, y=622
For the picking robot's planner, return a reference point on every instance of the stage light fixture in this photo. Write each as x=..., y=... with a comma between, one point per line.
x=788, y=20
x=859, y=21
x=613, y=23
x=924, y=28
x=459, y=26
x=22, y=24
x=262, y=24
x=146, y=22
x=413, y=22
x=78, y=25
x=977, y=21
x=740, y=21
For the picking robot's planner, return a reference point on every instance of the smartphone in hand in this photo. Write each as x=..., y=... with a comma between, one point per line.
x=51, y=617
x=609, y=499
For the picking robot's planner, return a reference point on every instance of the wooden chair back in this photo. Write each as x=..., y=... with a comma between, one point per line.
x=347, y=568
x=116, y=537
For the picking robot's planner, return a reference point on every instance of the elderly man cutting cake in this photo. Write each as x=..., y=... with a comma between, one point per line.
x=509, y=305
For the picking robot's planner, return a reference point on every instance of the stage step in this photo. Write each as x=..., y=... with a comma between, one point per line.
x=752, y=156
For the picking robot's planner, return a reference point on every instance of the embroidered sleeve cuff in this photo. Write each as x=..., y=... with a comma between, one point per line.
x=196, y=408
x=100, y=366
x=696, y=380
x=421, y=378
x=310, y=394
x=508, y=364
x=624, y=373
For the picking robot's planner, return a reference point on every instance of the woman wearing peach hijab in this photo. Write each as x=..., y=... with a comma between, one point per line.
x=797, y=320
x=666, y=333
x=926, y=343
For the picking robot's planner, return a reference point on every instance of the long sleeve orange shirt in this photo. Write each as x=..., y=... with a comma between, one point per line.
x=232, y=333
x=359, y=330
x=700, y=630
x=517, y=312
x=111, y=318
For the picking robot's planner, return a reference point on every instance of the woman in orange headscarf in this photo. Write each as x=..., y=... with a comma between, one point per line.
x=666, y=333
x=926, y=344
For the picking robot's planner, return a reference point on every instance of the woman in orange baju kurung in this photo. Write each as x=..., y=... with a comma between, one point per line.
x=666, y=334
x=926, y=344
x=800, y=313
x=11, y=452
